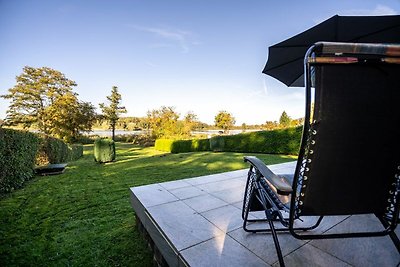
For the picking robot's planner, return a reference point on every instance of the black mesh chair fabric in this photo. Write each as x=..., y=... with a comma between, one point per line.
x=357, y=142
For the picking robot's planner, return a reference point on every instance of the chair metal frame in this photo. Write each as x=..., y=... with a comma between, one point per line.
x=263, y=188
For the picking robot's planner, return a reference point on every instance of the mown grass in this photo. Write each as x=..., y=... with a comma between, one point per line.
x=84, y=218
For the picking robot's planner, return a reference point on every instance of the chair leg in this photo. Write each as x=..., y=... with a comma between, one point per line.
x=395, y=240
x=270, y=217
x=392, y=234
x=276, y=242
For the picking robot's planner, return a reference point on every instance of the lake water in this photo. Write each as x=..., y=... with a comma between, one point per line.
x=107, y=133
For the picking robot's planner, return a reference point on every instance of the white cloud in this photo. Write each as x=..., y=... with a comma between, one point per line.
x=178, y=37
x=377, y=11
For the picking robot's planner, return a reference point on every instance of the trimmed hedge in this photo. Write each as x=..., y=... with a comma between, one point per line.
x=75, y=151
x=282, y=141
x=17, y=158
x=20, y=151
x=217, y=143
x=164, y=144
x=52, y=150
x=104, y=150
x=182, y=146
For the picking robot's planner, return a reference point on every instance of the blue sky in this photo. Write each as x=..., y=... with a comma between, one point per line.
x=199, y=56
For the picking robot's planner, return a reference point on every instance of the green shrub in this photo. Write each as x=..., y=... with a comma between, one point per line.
x=182, y=146
x=281, y=141
x=17, y=158
x=217, y=143
x=164, y=144
x=104, y=150
x=75, y=151
x=52, y=150
x=200, y=145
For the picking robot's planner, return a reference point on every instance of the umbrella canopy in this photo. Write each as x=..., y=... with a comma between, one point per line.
x=286, y=59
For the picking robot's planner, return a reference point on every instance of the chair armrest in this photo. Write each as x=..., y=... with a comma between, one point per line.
x=279, y=182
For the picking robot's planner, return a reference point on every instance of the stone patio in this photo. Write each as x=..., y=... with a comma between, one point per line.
x=197, y=222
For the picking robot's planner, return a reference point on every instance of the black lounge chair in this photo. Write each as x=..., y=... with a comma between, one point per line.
x=349, y=160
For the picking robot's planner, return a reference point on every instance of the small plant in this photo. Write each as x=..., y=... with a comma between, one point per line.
x=104, y=150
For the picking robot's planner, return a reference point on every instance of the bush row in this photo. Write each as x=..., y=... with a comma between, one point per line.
x=20, y=151
x=281, y=141
x=17, y=158
x=52, y=150
x=180, y=146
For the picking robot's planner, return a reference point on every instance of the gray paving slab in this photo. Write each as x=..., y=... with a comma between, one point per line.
x=221, y=185
x=183, y=226
x=187, y=192
x=175, y=184
x=207, y=179
x=238, y=204
x=226, y=218
x=204, y=203
x=370, y=251
x=312, y=257
x=237, y=174
x=221, y=251
x=232, y=195
x=262, y=244
x=151, y=195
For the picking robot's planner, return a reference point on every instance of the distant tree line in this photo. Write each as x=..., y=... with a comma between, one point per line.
x=43, y=98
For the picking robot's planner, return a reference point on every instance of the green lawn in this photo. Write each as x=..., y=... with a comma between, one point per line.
x=84, y=218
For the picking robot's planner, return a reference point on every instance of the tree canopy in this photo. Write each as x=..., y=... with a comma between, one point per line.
x=164, y=122
x=224, y=120
x=285, y=120
x=44, y=98
x=112, y=112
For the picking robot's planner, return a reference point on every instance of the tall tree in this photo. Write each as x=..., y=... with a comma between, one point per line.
x=224, y=120
x=164, y=122
x=112, y=112
x=285, y=120
x=190, y=122
x=36, y=90
x=43, y=97
x=73, y=117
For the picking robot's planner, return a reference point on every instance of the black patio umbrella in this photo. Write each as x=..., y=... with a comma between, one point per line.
x=285, y=59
